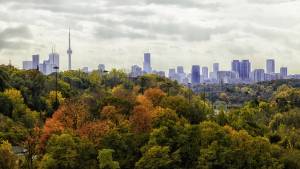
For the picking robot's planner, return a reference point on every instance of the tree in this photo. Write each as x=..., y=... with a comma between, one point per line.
x=155, y=95
x=95, y=131
x=156, y=157
x=19, y=108
x=111, y=113
x=73, y=114
x=4, y=78
x=106, y=160
x=51, y=98
x=141, y=119
x=6, y=105
x=69, y=152
x=8, y=160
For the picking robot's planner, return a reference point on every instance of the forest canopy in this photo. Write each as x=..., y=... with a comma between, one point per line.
x=112, y=121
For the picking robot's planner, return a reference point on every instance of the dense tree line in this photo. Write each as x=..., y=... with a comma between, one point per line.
x=111, y=121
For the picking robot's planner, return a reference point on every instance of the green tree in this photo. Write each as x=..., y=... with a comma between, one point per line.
x=4, y=78
x=156, y=157
x=8, y=160
x=6, y=105
x=106, y=160
x=68, y=152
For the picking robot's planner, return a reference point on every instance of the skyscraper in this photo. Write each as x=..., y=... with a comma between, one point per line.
x=136, y=71
x=245, y=69
x=258, y=75
x=53, y=62
x=172, y=74
x=283, y=72
x=270, y=66
x=70, y=51
x=27, y=65
x=101, y=68
x=35, y=61
x=216, y=67
x=180, y=70
x=147, y=63
x=195, y=74
x=205, y=72
x=235, y=66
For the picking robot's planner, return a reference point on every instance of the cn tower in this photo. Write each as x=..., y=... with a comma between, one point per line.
x=70, y=51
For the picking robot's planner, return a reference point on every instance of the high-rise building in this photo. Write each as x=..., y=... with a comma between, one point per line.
x=195, y=74
x=227, y=76
x=161, y=73
x=69, y=52
x=283, y=72
x=172, y=74
x=147, y=63
x=216, y=67
x=101, y=68
x=235, y=66
x=136, y=71
x=245, y=69
x=205, y=72
x=35, y=61
x=54, y=60
x=27, y=65
x=270, y=66
x=258, y=75
x=180, y=69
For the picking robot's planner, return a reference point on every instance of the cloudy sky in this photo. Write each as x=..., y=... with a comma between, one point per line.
x=176, y=32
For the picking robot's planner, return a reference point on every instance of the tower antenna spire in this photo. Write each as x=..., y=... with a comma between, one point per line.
x=69, y=52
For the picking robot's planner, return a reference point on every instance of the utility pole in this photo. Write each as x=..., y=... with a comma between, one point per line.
x=189, y=93
x=56, y=98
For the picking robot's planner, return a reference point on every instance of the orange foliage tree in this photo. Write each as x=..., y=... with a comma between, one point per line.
x=111, y=113
x=155, y=95
x=95, y=130
x=71, y=115
x=141, y=119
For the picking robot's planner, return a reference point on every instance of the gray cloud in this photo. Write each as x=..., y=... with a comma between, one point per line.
x=209, y=28
x=16, y=32
x=267, y=2
x=15, y=37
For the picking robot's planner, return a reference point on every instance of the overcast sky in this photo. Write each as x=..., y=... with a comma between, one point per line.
x=176, y=32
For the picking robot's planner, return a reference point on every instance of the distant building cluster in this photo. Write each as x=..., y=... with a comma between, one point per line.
x=240, y=72
x=46, y=67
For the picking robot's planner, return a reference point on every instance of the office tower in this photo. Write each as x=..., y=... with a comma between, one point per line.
x=54, y=61
x=195, y=74
x=172, y=74
x=35, y=61
x=258, y=75
x=101, y=68
x=205, y=72
x=227, y=76
x=147, y=63
x=245, y=69
x=216, y=67
x=41, y=68
x=27, y=65
x=180, y=69
x=69, y=52
x=180, y=74
x=283, y=72
x=235, y=66
x=161, y=73
x=270, y=66
x=48, y=67
x=136, y=71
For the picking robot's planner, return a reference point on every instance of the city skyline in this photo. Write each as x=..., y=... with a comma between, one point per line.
x=116, y=33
